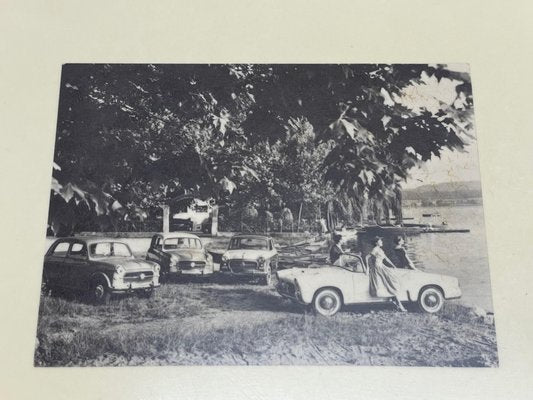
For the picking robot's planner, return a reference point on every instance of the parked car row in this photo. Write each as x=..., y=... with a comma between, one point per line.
x=102, y=267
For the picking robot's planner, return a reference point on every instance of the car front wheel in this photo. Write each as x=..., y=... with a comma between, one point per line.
x=430, y=300
x=327, y=302
x=99, y=292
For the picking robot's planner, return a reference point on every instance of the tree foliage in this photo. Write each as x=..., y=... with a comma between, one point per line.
x=267, y=137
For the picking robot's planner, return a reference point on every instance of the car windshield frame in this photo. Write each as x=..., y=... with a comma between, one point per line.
x=111, y=253
x=237, y=243
x=349, y=268
x=188, y=240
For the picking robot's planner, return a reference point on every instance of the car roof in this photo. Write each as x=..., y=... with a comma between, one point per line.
x=254, y=236
x=176, y=235
x=90, y=239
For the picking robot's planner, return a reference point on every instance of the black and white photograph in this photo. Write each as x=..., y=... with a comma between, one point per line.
x=265, y=214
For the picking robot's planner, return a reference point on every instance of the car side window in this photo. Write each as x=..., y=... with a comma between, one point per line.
x=61, y=249
x=78, y=251
x=158, y=243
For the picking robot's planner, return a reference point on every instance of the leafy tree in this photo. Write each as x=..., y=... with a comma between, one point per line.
x=130, y=137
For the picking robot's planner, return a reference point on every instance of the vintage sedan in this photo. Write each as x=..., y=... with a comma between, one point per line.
x=180, y=254
x=251, y=256
x=327, y=288
x=99, y=267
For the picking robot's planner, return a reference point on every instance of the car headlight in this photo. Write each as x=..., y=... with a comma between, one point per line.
x=261, y=260
x=174, y=260
x=157, y=268
x=224, y=258
x=119, y=269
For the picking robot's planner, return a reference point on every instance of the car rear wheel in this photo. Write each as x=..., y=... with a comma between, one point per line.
x=327, y=302
x=99, y=292
x=45, y=286
x=430, y=300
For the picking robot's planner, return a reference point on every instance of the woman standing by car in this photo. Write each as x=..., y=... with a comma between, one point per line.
x=401, y=254
x=383, y=280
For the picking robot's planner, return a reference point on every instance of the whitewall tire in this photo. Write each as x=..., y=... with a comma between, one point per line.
x=327, y=302
x=430, y=300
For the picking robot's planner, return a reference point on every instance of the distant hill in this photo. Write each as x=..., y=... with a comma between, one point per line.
x=448, y=190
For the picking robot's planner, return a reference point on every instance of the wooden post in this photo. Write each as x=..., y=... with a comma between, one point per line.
x=166, y=218
x=214, y=220
x=299, y=217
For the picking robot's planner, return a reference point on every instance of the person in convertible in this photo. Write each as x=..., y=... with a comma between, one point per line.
x=335, y=251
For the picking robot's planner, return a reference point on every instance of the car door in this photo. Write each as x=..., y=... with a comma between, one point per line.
x=360, y=280
x=361, y=284
x=54, y=265
x=151, y=254
x=77, y=265
x=155, y=252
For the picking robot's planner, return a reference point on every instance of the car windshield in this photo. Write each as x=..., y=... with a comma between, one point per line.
x=181, y=243
x=110, y=249
x=248, y=243
x=350, y=262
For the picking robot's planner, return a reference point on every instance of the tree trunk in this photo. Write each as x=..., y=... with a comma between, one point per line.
x=166, y=218
x=299, y=218
x=399, y=209
x=214, y=221
x=386, y=211
x=364, y=211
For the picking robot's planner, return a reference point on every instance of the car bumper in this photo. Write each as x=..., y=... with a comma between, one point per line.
x=194, y=272
x=452, y=294
x=282, y=291
x=248, y=272
x=133, y=286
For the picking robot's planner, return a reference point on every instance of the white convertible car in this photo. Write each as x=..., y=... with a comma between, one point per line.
x=328, y=287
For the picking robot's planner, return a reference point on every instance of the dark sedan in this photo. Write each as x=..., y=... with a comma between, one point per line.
x=99, y=267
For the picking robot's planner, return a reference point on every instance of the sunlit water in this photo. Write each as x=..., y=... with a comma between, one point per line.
x=463, y=255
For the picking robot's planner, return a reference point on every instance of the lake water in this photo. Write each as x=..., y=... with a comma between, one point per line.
x=463, y=255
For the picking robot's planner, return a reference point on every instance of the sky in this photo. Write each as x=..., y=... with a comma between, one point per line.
x=452, y=166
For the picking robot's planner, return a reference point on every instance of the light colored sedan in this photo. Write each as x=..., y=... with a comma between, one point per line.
x=327, y=288
x=180, y=254
x=252, y=256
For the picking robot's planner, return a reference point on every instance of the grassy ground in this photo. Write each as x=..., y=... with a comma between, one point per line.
x=217, y=323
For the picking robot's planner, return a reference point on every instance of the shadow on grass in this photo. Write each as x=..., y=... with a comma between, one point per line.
x=247, y=299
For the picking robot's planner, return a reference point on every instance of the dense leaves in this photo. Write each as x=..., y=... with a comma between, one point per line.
x=271, y=138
